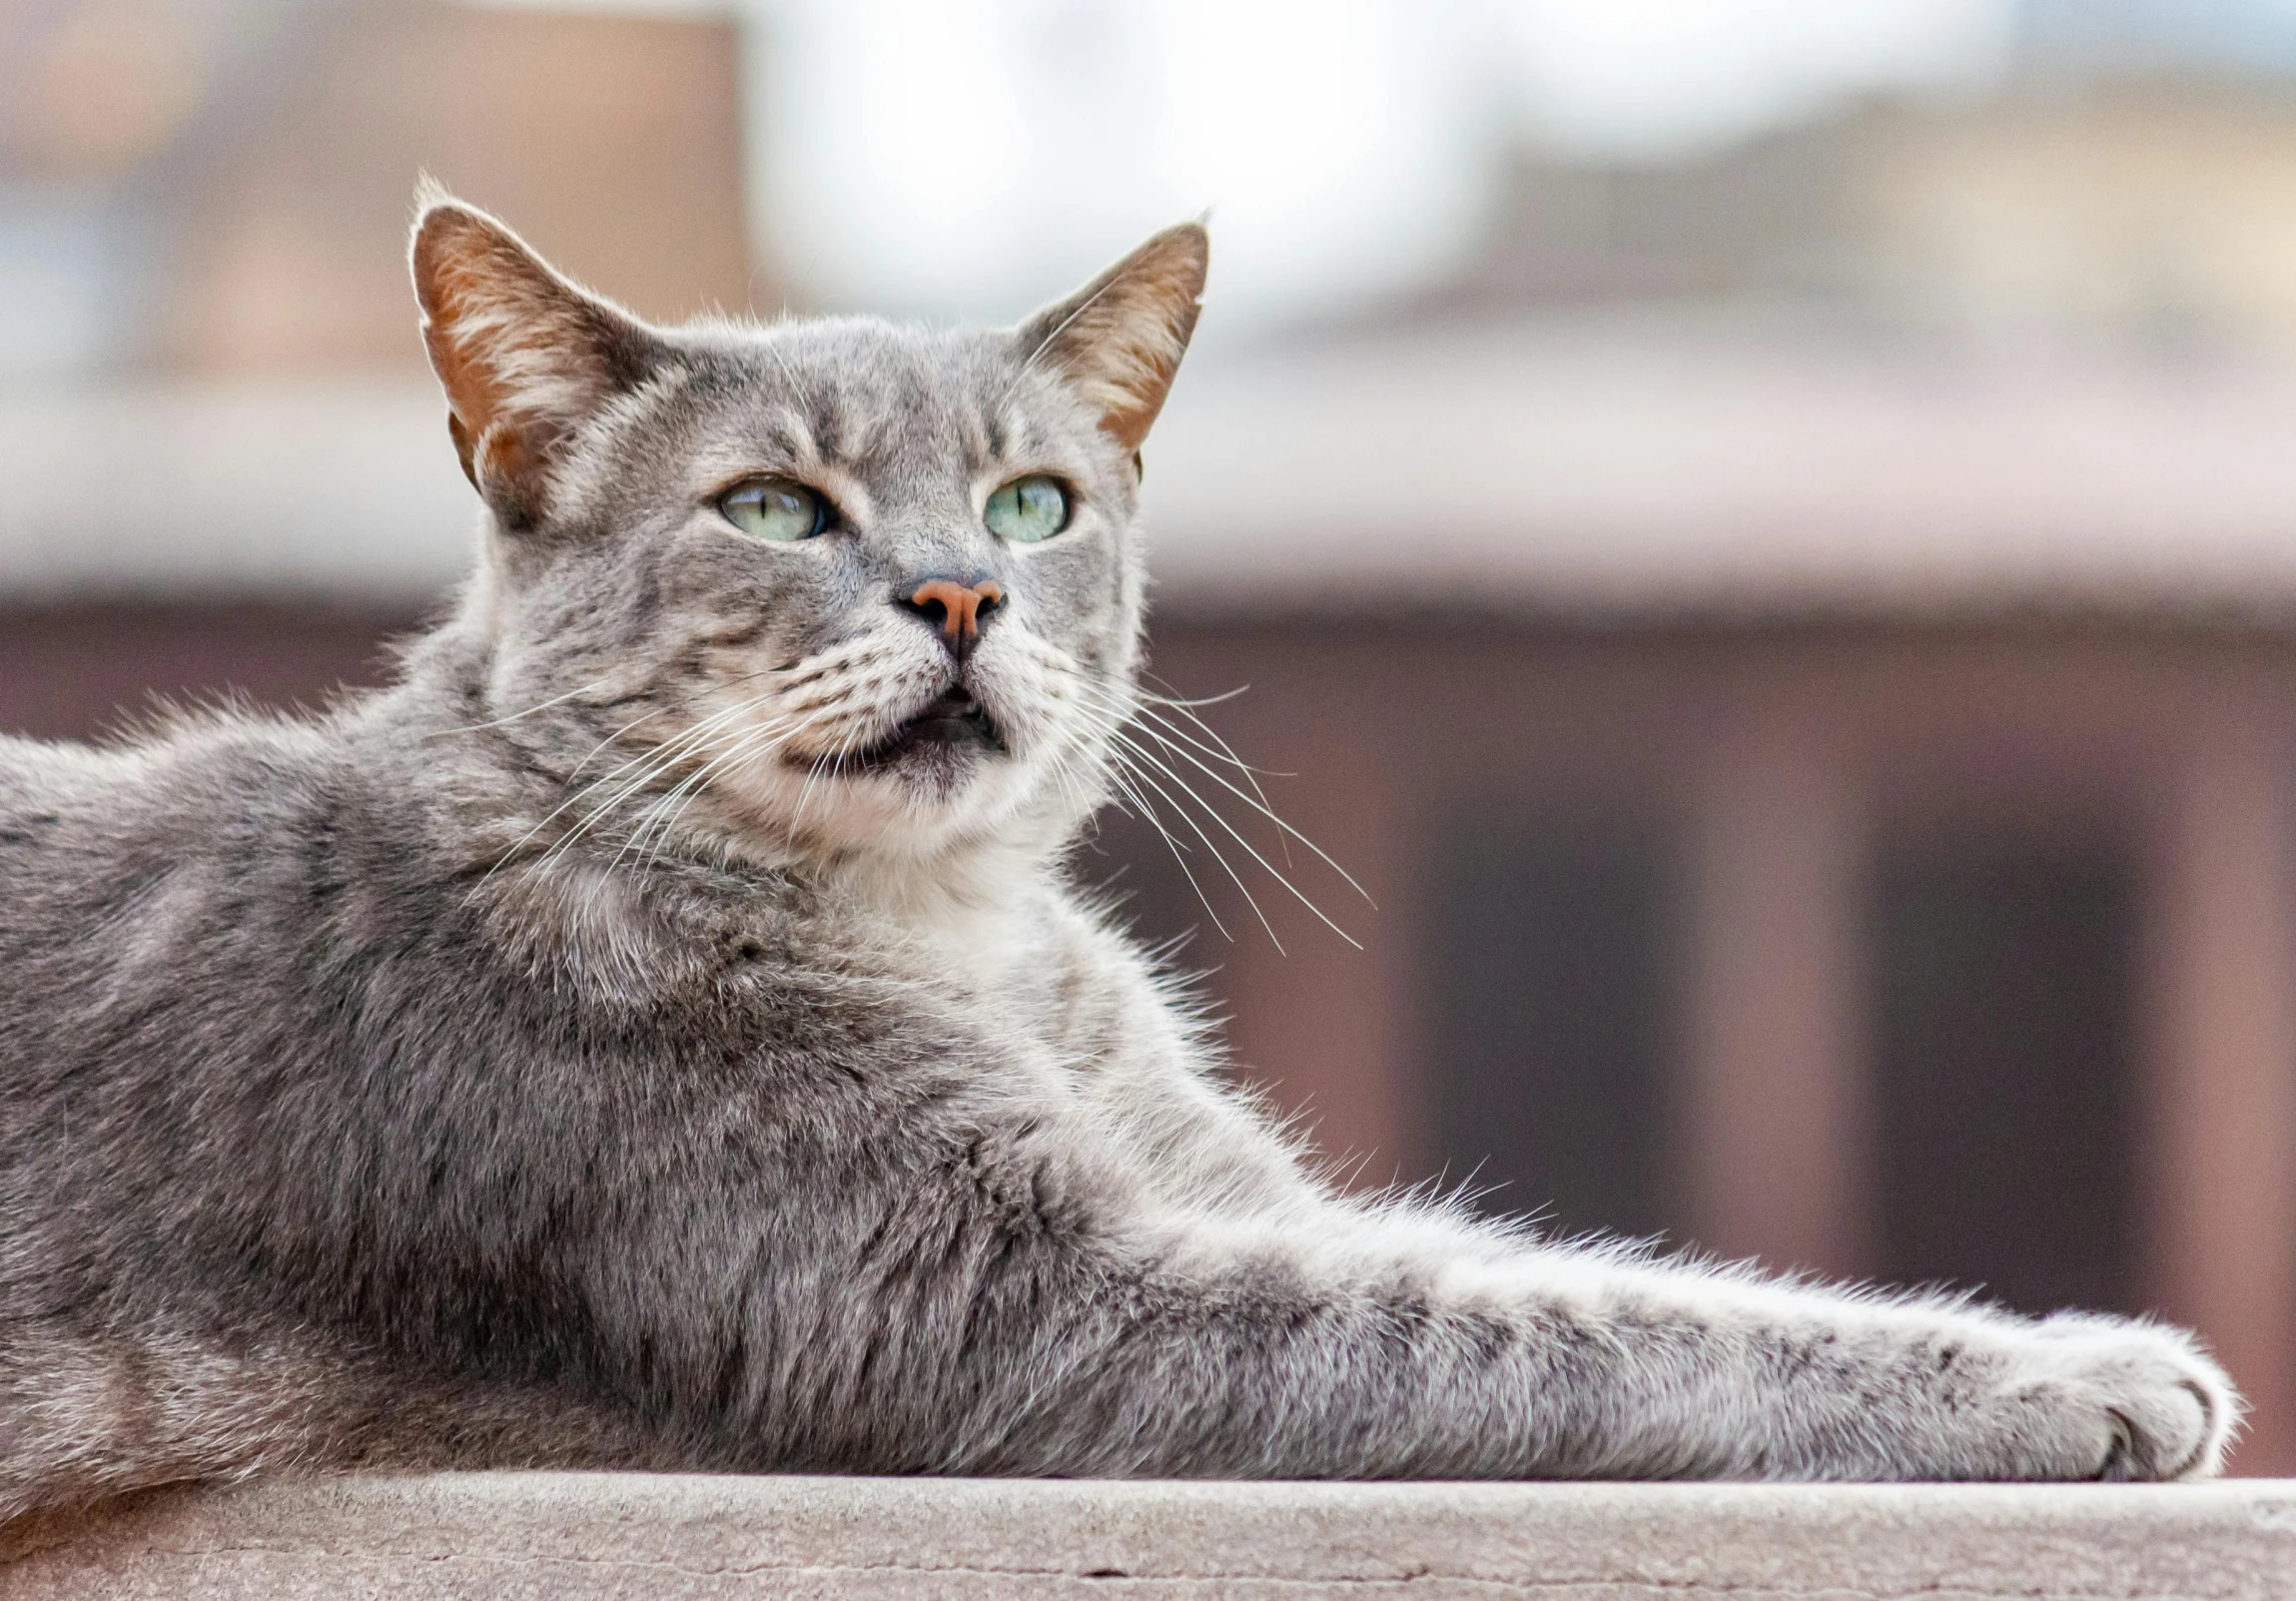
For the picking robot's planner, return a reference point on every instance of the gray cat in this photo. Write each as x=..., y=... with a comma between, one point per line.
x=659, y=1030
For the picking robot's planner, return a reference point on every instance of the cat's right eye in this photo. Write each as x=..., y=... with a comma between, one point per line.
x=775, y=511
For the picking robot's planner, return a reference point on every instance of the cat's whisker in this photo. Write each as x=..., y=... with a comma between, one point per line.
x=1205, y=738
x=657, y=813
x=559, y=810
x=591, y=754
x=1118, y=773
x=604, y=779
x=1221, y=699
x=502, y=722
x=1153, y=722
x=819, y=765
x=743, y=740
x=1068, y=771
x=1146, y=711
x=664, y=814
x=822, y=763
x=1179, y=850
x=661, y=817
x=1262, y=808
x=669, y=759
x=1210, y=845
x=1154, y=706
x=1131, y=780
x=1141, y=716
x=652, y=764
x=1237, y=835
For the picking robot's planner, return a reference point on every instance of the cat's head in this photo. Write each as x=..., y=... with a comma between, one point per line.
x=840, y=585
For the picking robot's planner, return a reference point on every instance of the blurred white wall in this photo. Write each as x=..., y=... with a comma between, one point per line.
x=1363, y=160
x=971, y=156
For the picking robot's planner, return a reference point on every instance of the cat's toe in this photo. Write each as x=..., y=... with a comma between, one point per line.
x=2131, y=1400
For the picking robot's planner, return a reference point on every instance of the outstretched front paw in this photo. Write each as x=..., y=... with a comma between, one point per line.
x=2089, y=1398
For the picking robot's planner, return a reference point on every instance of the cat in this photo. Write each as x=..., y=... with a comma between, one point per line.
x=659, y=1030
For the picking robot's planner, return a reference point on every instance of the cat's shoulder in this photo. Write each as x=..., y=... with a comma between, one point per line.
x=181, y=773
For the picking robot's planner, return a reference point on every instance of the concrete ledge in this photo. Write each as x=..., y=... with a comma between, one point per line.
x=586, y=1537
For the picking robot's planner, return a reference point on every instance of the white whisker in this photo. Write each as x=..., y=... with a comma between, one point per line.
x=1179, y=850
x=1139, y=756
x=1258, y=805
x=543, y=705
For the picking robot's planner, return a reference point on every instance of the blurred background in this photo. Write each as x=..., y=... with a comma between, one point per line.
x=1762, y=532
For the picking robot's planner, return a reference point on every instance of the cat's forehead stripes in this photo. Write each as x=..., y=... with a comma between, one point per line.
x=880, y=400
x=1016, y=437
x=788, y=433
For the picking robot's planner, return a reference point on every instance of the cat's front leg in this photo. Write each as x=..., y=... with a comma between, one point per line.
x=1820, y=1384
x=1271, y=1348
x=1631, y=1367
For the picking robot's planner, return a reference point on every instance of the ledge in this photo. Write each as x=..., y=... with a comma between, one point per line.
x=587, y=1537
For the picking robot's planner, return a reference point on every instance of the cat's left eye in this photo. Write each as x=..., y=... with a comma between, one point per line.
x=775, y=511
x=1026, y=511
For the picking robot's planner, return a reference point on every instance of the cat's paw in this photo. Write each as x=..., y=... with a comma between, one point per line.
x=2088, y=1397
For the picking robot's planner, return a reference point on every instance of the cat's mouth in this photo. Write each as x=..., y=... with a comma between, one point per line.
x=951, y=724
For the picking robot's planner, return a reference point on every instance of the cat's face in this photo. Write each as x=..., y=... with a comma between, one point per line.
x=838, y=585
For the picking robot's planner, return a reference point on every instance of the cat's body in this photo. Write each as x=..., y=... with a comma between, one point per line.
x=659, y=1030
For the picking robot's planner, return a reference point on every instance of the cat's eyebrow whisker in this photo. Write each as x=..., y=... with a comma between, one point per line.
x=1029, y=361
x=773, y=354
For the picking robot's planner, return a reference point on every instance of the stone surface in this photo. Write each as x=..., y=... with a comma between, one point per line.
x=587, y=1537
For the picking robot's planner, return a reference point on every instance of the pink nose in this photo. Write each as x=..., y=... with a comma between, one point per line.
x=958, y=609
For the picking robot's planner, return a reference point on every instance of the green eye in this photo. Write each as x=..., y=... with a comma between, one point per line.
x=778, y=511
x=1026, y=511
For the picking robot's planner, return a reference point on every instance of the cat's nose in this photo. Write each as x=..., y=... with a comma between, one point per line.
x=958, y=610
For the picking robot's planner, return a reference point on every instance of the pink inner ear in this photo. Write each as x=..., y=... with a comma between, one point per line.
x=451, y=260
x=514, y=346
x=1120, y=340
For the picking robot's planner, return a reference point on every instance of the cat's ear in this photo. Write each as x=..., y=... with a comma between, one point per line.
x=1119, y=339
x=524, y=356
